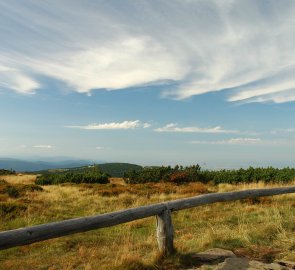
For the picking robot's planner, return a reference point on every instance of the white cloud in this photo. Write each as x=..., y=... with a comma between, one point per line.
x=43, y=146
x=231, y=141
x=172, y=127
x=282, y=130
x=244, y=140
x=246, y=46
x=113, y=125
x=12, y=78
x=102, y=148
x=99, y=148
x=123, y=63
x=248, y=141
x=146, y=125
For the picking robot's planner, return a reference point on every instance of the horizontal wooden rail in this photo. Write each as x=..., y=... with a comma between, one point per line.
x=162, y=211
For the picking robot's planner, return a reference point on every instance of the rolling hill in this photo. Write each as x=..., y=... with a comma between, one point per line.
x=115, y=169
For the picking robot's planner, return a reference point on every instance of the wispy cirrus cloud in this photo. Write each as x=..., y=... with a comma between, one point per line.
x=12, y=78
x=102, y=148
x=173, y=127
x=246, y=46
x=232, y=141
x=43, y=146
x=282, y=130
x=248, y=141
x=113, y=125
x=147, y=125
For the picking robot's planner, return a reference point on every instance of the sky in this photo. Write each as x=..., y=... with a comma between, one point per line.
x=149, y=82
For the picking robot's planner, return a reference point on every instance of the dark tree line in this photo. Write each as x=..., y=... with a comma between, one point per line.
x=177, y=174
x=180, y=174
x=6, y=172
x=250, y=175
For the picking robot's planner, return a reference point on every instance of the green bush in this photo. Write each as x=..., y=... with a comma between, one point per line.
x=178, y=174
x=12, y=192
x=250, y=175
x=93, y=176
x=11, y=209
x=6, y=172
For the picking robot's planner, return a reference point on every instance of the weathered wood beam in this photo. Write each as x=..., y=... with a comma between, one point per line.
x=225, y=197
x=28, y=235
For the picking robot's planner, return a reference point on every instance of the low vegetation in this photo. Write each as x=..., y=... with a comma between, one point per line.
x=261, y=228
x=10, y=206
x=251, y=175
x=134, y=174
x=180, y=174
x=118, y=169
x=92, y=175
x=6, y=172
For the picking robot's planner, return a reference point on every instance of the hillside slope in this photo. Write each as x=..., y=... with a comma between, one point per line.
x=118, y=169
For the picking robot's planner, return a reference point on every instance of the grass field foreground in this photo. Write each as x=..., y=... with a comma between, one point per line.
x=258, y=228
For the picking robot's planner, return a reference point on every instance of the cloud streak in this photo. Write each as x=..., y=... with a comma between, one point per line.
x=172, y=127
x=245, y=47
x=102, y=148
x=43, y=146
x=113, y=125
x=247, y=141
x=231, y=141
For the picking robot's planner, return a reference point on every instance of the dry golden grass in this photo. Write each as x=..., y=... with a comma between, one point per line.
x=117, y=181
x=19, y=178
x=229, y=187
x=263, y=229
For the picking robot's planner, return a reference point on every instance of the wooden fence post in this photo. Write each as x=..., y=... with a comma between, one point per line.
x=165, y=232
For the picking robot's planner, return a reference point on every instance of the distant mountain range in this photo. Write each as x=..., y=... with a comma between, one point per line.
x=29, y=166
x=115, y=169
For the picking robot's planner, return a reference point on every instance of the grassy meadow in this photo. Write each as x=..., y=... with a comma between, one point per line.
x=263, y=228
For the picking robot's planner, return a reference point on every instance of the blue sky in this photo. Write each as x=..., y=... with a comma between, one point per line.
x=149, y=82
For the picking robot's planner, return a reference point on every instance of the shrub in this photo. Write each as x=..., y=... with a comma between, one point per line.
x=10, y=209
x=180, y=174
x=6, y=172
x=93, y=176
x=250, y=175
x=179, y=177
x=16, y=190
x=12, y=192
x=30, y=188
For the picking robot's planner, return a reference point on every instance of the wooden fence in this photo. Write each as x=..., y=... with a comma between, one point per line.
x=162, y=211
